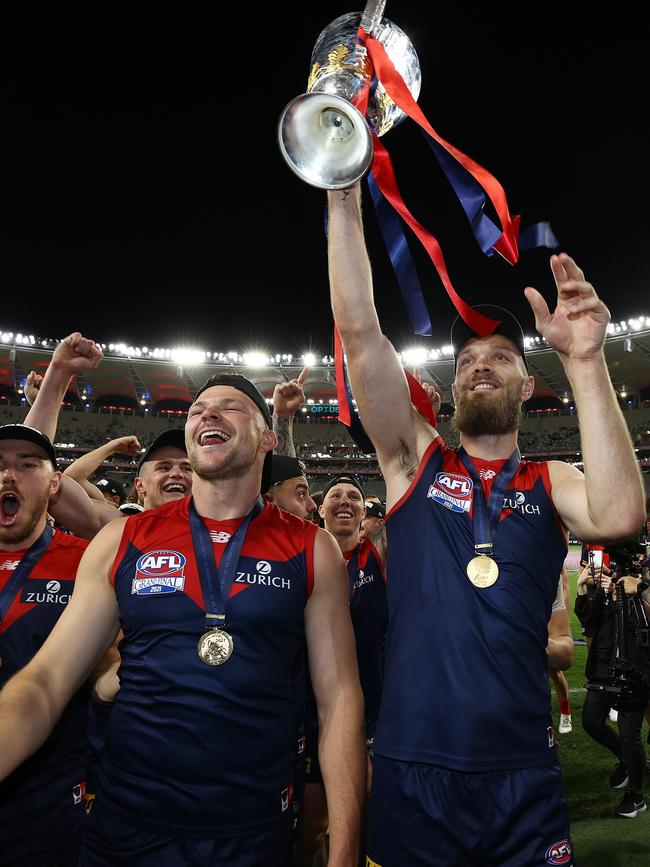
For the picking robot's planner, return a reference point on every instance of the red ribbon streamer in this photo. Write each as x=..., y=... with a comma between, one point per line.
x=344, y=409
x=419, y=399
x=398, y=91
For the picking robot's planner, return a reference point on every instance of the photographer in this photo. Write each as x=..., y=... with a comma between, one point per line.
x=611, y=647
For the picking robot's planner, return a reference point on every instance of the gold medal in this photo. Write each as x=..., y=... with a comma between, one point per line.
x=482, y=571
x=215, y=647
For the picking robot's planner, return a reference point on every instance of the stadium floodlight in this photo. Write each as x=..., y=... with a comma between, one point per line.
x=255, y=359
x=187, y=357
x=415, y=355
x=308, y=359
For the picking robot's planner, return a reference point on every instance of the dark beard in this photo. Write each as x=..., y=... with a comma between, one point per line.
x=476, y=417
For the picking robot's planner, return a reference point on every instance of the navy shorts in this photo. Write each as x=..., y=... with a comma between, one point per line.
x=427, y=816
x=41, y=848
x=108, y=843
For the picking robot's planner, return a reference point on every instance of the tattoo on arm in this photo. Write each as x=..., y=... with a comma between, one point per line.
x=346, y=193
x=283, y=428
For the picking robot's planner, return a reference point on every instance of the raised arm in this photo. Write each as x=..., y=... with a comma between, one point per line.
x=288, y=397
x=75, y=354
x=334, y=675
x=81, y=469
x=83, y=515
x=591, y=504
x=376, y=375
x=34, y=699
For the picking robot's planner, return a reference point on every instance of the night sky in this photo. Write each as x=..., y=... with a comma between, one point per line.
x=145, y=200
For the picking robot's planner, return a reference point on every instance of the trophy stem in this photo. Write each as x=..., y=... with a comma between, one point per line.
x=372, y=15
x=370, y=20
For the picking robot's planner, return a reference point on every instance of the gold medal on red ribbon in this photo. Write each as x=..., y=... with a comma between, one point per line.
x=215, y=647
x=482, y=571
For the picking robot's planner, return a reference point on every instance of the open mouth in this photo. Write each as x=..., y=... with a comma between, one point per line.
x=213, y=437
x=174, y=488
x=484, y=386
x=9, y=507
x=343, y=515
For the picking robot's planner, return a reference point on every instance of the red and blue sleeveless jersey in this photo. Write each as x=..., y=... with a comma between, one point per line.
x=46, y=791
x=191, y=749
x=466, y=675
x=369, y=612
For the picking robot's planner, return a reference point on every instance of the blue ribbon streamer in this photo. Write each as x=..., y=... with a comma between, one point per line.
x=356, y=428
x=472, y=199
x=538, y=235
x=401, y=260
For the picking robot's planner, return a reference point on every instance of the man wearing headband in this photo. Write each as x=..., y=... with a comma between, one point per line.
x=216, y=594
x=37, y=574
x=476, y=539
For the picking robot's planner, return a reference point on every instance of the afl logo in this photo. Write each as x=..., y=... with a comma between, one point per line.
x=263, y=567
x=456, y=486
x=559, y=853
x=160, y=563
x=452, y=491
x=53, y=586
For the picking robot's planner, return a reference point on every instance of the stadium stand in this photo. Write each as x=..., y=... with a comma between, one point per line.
x=144, y=391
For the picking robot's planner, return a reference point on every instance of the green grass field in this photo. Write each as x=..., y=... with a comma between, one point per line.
x=600, y=840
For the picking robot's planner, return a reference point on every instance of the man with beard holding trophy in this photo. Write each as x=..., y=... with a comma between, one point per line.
x=465, y=771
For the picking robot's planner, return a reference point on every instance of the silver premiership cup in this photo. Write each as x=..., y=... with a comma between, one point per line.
x=324, y=139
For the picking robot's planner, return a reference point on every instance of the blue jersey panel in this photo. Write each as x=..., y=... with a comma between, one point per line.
x=466, y=678
x=192, y=748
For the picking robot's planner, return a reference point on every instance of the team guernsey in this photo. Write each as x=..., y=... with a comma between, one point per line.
x=197, y=750
x=46, y=792
x=466, y=676
x=369, y=612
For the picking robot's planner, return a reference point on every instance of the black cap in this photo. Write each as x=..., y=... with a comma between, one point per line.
x=285, y=467
x=236, y=380
x=344, y=478
x=173, y=437
x=109, y=486
x=25, y=432
x=375, y=509
x=508, y=326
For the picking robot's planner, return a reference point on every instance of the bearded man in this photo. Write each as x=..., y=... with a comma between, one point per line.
x=465, y=771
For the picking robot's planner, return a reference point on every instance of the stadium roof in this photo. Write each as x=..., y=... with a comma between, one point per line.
x=163, y=379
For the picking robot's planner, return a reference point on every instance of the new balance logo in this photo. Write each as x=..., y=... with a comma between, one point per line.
x=219, y=537
x=9, y=565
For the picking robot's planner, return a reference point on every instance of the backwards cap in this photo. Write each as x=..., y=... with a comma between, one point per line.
x=508, y=326
x=236, y=380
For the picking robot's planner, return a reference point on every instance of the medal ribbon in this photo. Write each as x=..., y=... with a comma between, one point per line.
x=486, y=514
x=216, y=582
x=20, y=575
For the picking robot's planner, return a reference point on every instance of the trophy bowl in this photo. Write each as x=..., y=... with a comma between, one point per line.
x=323, y=137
